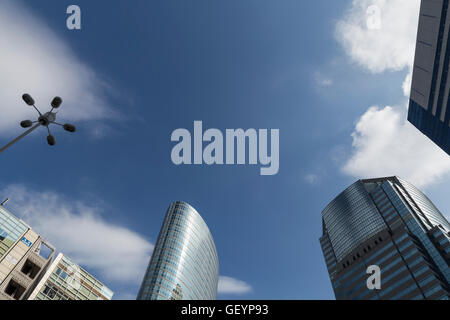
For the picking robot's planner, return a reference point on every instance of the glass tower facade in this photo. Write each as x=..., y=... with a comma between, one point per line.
x=429, y=106
x=389, y=223
x=184, y=264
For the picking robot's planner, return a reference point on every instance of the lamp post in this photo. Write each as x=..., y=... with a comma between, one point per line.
x=45, y=120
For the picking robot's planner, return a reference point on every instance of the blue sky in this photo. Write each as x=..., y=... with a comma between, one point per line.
x=140, y=69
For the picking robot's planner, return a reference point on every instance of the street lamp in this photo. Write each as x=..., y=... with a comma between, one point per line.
x=45, y=120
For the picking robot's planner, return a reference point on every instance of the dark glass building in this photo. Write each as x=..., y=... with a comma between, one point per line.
x=429, y=106
x=389, y=223
x=184, y=263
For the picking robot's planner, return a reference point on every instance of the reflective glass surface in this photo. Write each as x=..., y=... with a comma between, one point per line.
x=351, y=218
x=11, y=229
x=184, y=264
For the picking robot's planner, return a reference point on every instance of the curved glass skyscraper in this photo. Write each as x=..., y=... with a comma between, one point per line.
x=388, y=223
x=184, y=264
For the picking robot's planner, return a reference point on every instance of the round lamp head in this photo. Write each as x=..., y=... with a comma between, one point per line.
x=69, y=127
x=28, y=99
x=26, y=123
x=51, y=140
x=56, y=102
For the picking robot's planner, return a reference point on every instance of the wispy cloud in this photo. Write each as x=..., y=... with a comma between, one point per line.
x=312, y=178
x=322, y=80
x=35, y=60
x=79, y=230
x=384, y=143
x=232, y=286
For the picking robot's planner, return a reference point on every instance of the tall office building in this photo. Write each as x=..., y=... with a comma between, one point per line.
x=65, y=280
x=24, y=257
x=389, y=223
x=429, y=107
x=184, y=264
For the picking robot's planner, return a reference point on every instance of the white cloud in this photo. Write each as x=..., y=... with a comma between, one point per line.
x=34, y=60
x=78, y=230
x=384, y=144
x=406, y=86
x=389, y=47
x=312, y=178
x=228, y=285
x=322, y=80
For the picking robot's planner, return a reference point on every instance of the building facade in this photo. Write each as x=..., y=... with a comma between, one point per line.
x=429, y=106
x=24, y=257
x=65, y=280
x=388, y=223
x=28, y=273
x=184, y=263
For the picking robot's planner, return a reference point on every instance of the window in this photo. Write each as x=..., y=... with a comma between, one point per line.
x=46, y=290
x=51, y=294
x=45, y=251
x=30, y=269
x=14, y=290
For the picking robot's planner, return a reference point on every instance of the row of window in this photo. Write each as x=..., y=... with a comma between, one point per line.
x=74, y=284
x=366, y=250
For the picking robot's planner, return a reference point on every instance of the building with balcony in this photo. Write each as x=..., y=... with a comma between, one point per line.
x=24, y=257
